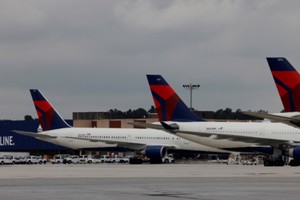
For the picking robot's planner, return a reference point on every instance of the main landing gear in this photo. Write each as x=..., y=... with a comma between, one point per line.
x=294, y=163
x=269, y=162
x=274, y=162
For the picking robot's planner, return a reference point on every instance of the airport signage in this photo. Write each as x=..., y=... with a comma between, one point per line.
x=11, y=141
x=6, y=141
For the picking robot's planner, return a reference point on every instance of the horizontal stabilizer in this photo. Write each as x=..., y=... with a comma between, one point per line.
x=32, y=134
x=145, y=125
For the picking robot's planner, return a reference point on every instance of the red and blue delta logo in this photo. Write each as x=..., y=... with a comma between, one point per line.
x=45, y=113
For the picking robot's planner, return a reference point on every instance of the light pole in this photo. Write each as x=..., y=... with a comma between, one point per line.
x=191, y=87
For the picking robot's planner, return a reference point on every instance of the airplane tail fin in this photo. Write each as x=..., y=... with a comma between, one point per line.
x=287, y=81
x=49, y=118
x=168, y=104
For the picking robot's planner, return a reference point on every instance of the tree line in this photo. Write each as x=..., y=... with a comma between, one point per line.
x=220, y=114
x=225, y=114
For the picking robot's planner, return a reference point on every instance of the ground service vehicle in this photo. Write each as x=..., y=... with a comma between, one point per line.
x=105, y=159
x=124, y=160
x=168, y=159
x=73, y=159
x=20, y=160
x=86, y=159
x=42, y=160
x=59, y=158
x=7, y=160
x=33, y=160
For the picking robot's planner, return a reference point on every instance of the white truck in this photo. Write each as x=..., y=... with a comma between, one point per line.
x=86, y=159
x=42, y=160
x=59, y=158
x=32, y=160
x=118, y=159
x=20, y=160
x=100, y=159
x=7, y=160
x=13, y=157
x=105, y=159
x=73, y=159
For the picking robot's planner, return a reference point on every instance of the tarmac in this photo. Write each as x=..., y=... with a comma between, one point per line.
x=143, y=182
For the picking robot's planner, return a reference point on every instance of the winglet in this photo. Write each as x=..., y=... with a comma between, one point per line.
x=287, y=81
x=168, y=104
x=49, y=118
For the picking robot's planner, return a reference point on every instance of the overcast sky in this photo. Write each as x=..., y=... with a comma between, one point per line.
x=94, y=55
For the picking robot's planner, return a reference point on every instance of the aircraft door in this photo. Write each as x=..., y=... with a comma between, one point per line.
x=129, y=138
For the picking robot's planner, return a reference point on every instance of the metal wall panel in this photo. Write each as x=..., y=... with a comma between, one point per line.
x=10, y=141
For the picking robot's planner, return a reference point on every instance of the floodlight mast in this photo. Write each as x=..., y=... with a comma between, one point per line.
x=191, y=87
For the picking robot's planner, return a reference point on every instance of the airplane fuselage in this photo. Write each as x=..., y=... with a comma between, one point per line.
x=133, y=139
x=276, y=132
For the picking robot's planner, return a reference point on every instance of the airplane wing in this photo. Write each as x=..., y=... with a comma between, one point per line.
x=131, y=145
x=32, y=134
x=100, y=140
x=295, y=122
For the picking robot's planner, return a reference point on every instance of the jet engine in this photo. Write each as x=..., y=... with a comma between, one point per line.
x=155, y=153
x=295, y=152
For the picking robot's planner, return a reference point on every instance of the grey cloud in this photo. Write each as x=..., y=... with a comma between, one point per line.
x=93, y=55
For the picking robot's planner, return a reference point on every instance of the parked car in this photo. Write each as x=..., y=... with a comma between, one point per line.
x=86, y=159
x=73, y=159
x=118, y=159
x=102, y=159
x=96, y=159
x=20, y=160
x=59, y=158
x=42, y=160
x=105, y=159
x=115, y=159
x=7, y=160
x=32, y=160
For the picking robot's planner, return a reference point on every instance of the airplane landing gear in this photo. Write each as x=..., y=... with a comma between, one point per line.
x=294, y=163
x=274, y=162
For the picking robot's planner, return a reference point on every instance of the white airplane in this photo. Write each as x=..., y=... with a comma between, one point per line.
x=153, y=143
x=273, y=138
